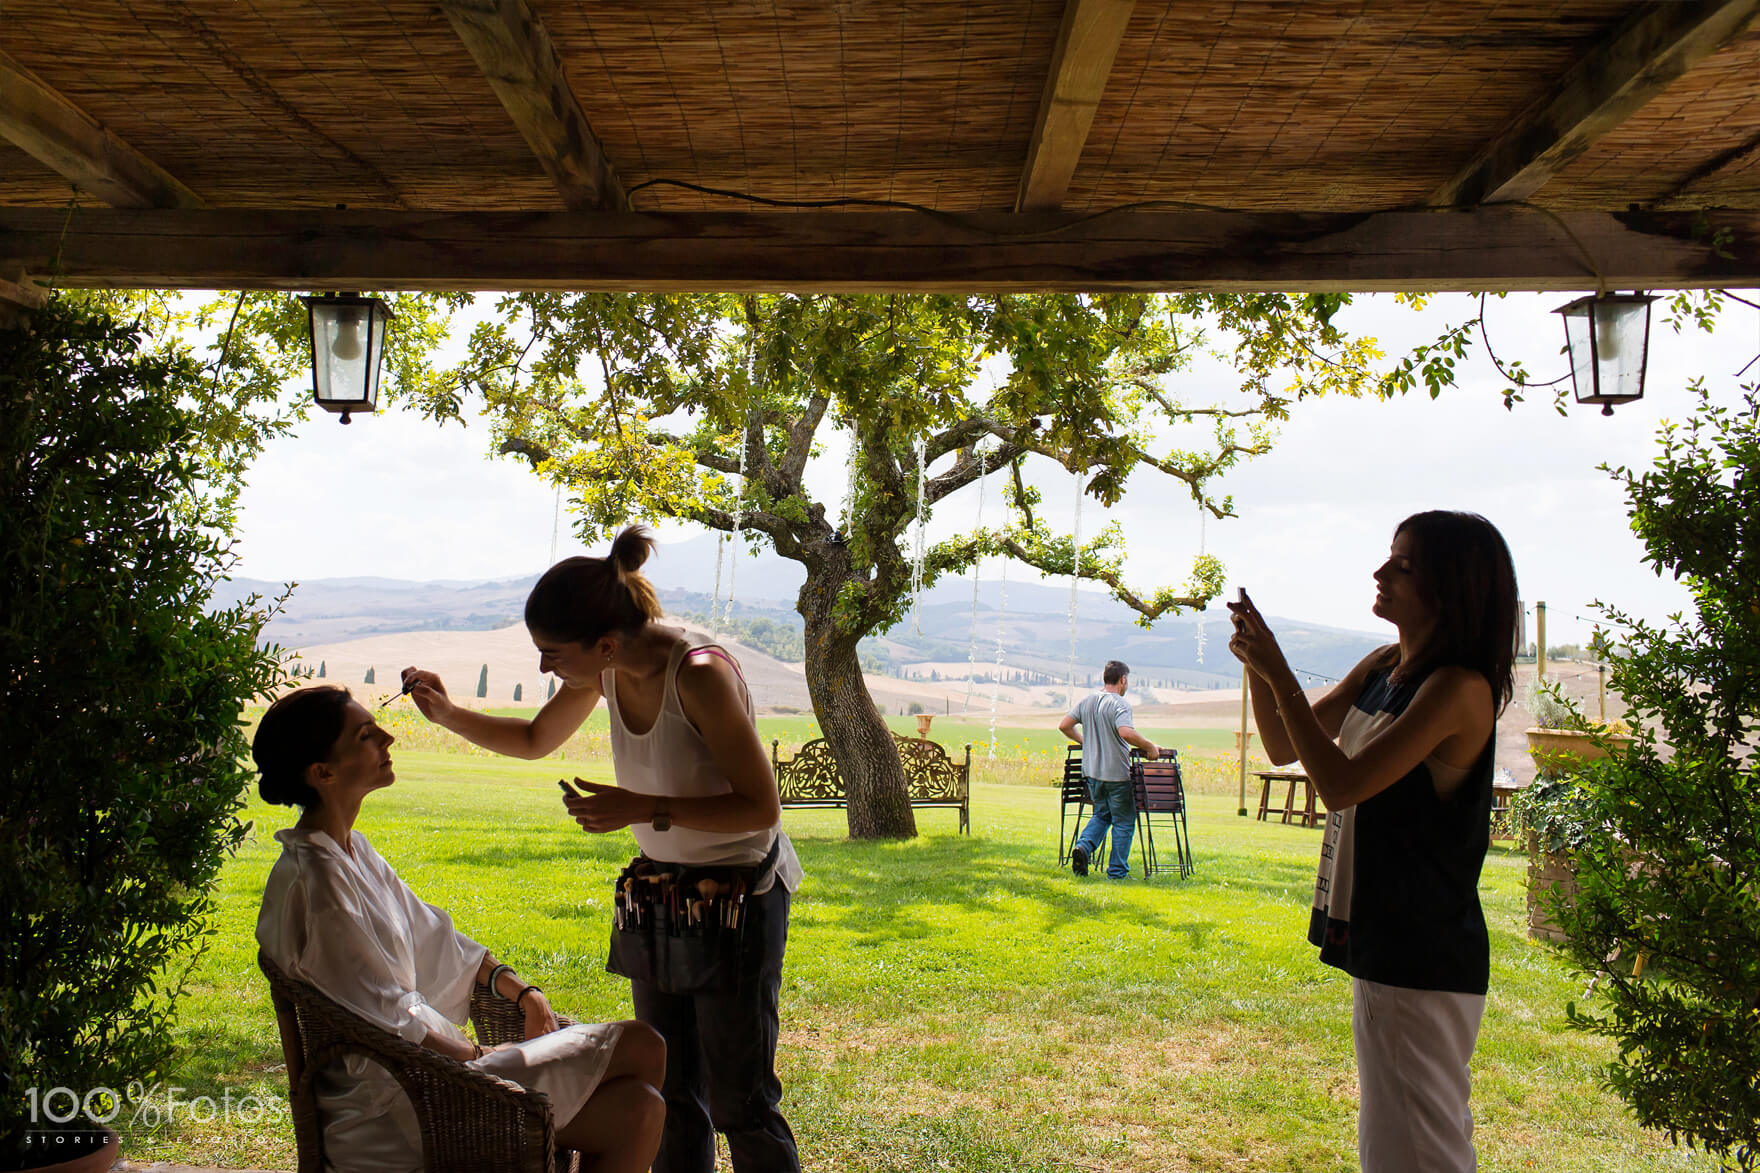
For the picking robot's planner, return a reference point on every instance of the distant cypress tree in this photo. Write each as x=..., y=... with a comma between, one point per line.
x=368, y=679
x=320, y=669
x=517, y=690
x=483, y=681
x=552, y=691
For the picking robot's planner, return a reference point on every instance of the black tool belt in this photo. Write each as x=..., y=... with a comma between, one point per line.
x=682, y=928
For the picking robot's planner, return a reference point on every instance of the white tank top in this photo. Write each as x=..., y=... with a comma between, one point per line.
x=672, y=759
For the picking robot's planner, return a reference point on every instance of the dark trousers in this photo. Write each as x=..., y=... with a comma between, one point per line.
x=721, y=1058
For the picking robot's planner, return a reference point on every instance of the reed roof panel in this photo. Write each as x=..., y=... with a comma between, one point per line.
x=1276, y=104
x=1711, y=112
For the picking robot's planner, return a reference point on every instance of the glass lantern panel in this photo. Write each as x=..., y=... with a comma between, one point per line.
x=1576, y=336
x=376, y=351
x=1621, y=336
x=342, y=354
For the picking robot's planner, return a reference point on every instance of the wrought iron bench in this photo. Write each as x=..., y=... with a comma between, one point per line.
x=810, y=778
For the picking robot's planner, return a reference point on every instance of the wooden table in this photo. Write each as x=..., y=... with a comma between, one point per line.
x=1306, y=814
x=1501, y=793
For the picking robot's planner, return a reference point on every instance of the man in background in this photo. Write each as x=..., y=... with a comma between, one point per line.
x=1106, y=737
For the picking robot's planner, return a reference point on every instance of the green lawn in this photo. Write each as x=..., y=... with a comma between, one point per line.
x=958, y=1002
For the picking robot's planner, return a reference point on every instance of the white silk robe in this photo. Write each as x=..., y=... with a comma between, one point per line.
x=348, y=926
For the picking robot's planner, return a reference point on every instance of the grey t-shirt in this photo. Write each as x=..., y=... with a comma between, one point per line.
x=1105, y=755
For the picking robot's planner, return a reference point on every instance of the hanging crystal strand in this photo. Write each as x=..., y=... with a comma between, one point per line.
x=739, y=504
x=996, y=688
x=1200, y=613
x=1075, y=574
x=972, y=651
x=849, y=491
x=555, y=525
x=919, y=544
x=715, y=599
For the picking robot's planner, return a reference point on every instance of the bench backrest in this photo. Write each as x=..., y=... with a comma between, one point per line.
x=931, y=776
x=811, y=775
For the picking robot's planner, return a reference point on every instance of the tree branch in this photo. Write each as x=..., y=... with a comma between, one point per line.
x=1150, y=609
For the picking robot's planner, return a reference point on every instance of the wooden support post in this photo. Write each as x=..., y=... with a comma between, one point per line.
x=1242, y=737
x=1540, y=640
x=1601, y=691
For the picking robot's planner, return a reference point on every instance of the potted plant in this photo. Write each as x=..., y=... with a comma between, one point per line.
x=1562, y=738
x=1551, y=817
x=124, y=759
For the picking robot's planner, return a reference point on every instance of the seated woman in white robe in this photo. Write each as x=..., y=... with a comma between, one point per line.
x=336, y=916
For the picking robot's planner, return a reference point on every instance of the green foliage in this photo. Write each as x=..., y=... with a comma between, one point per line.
x=483, y=681
x=783, y=641
x=320, y=669
x=1555, y=813
x=518, y=693
x=1670, y=868
x=651, y=405
x=368, y=678
x=124, y=758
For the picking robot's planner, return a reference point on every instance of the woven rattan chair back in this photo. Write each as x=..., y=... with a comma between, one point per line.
x=469, y=1120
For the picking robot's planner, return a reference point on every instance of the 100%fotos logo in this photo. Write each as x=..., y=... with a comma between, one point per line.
x=147, y=1107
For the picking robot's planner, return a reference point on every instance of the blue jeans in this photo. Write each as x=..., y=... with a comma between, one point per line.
x=1115, y=806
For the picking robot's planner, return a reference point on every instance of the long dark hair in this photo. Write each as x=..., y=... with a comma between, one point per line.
x=299, y=729
x=580, y=599
x=1464, y=571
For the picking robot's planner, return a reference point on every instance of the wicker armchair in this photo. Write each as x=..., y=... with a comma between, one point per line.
x=469, y=1121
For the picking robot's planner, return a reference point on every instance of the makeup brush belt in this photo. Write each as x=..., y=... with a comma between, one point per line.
x=681, y=929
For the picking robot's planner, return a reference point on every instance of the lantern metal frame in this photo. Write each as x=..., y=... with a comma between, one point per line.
x=1590, y=307
x=376, y=317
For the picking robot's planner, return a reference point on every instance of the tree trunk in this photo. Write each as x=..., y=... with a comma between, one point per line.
x=867, y=757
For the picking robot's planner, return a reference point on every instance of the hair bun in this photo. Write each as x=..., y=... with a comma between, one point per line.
x=630, y=549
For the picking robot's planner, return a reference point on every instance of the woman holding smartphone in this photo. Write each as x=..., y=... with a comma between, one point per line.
x=1401, y=754
x=695, y=786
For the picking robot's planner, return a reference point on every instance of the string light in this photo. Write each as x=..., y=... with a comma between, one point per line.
x=918, y=543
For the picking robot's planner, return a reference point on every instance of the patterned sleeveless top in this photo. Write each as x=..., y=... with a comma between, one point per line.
x=1397, y=897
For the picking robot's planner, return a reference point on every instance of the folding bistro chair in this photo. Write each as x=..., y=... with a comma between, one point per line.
x=1161, y=794
x=1076, y=796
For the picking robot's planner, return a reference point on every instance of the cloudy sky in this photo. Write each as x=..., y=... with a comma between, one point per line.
x=402, y=498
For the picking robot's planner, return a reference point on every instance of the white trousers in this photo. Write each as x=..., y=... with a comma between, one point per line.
x=1413, y=1047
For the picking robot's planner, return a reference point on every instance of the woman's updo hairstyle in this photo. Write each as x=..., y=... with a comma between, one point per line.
x=299, y=729
x=581, y=599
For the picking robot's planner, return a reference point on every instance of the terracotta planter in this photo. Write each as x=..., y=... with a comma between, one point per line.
x=923, y=720
x=1561, y=751
x=85, y=1158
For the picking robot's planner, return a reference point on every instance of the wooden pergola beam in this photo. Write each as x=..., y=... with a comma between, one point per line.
x=513, y=49
x=1648, y=51
x=1087, y=43
x=71, y=142
x=1486, y=249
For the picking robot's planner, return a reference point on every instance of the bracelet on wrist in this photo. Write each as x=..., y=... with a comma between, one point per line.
x=520, y=997
x=495, y=977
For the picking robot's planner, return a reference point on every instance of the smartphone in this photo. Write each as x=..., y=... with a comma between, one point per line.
x=567, y=789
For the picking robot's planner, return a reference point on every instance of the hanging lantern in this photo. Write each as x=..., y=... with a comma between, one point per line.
x=348, y=342
x=1608, y=337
